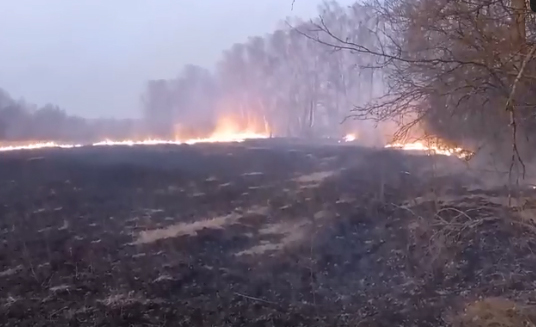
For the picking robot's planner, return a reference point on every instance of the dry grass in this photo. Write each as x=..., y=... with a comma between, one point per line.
x=496, y=312
x=315, y=178
x=191, y=229
x=9, y=301
x=122, y=299
x=291, y=233
x=60, y=288
x=470, y=199
x=11, y=271
x=443, y=224
x=528, y=215
x=253, y=173
x=439, y=224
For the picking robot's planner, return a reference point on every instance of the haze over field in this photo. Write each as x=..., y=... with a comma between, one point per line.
x=213, y=163
x=139, y=70
x=185, y=70
x=93, y=58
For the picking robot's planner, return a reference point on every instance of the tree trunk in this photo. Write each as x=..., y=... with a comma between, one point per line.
x=519, y=33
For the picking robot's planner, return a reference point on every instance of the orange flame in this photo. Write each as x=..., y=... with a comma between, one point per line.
x=38, y=145
x=350, y=137
x=227, y=130
x=433, y=149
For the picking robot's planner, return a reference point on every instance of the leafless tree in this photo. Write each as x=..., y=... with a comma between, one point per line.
x=462, y=70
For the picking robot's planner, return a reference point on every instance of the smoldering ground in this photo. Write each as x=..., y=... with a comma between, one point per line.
x=260, y=232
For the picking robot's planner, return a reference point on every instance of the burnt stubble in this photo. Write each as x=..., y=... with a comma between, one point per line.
x=248, y=234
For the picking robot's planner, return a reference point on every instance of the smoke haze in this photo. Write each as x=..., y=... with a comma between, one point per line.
x=138, y=69
x=93, y=57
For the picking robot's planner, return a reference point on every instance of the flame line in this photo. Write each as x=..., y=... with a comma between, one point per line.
x=240, y=137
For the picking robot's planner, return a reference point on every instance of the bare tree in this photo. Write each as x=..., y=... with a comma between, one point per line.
x=448, y=66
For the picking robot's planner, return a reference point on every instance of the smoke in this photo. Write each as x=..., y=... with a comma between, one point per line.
x=24, y=122
x=285, y=84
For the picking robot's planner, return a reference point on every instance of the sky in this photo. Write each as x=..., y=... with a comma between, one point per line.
x=93, y=57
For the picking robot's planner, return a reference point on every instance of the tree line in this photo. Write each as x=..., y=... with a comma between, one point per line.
x=23, y=121
x=283, y=83
x=285, y=80
x=460, y=70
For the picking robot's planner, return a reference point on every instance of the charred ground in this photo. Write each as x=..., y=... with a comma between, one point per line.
x=253, y=234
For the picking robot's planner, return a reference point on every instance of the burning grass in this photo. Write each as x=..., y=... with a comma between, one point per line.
x=227, y=129
x=432, y=146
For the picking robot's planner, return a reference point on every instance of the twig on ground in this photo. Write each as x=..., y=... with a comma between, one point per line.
x=254, y=298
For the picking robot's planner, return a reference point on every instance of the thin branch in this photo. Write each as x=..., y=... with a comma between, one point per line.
x=254, y=298
x=510, y=107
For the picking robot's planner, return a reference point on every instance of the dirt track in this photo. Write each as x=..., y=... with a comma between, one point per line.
x=252, y=234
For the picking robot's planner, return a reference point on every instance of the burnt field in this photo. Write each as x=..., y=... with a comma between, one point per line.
x=257, y=234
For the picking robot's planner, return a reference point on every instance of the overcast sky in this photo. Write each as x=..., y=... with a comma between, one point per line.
x=92, y=57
